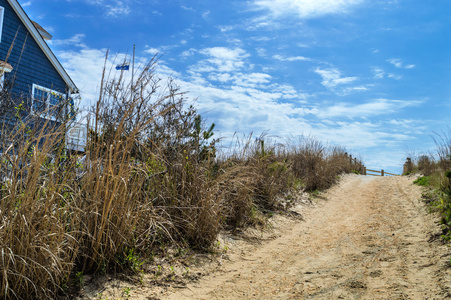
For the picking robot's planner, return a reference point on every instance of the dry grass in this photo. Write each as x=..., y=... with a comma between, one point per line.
x=436, y=171
x=152, y=175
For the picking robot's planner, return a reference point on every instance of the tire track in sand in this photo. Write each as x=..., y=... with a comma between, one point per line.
x=368, y=240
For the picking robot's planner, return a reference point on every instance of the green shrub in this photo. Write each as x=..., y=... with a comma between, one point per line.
x=423, y=181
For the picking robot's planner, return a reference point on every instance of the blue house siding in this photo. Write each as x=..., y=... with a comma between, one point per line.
x=29, y=62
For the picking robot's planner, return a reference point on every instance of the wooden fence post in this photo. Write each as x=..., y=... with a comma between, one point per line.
x=382, y=173
x=364, y=171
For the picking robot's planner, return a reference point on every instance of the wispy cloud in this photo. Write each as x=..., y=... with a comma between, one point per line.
x=409, y=126
x=206, y=14
x=332, y=78
x=378, y=72
x=239, y=99
x=307, y=8
x=188, y=8
x=76, y=40
x=225, y=28
x=398, y=63
x=221, y=59
x=113, y=8
x=291, y=58
x=254, y=80
x=117, y=10
x=371, y=108
x=188, y=53
x=261, y=38
x=152, y=51
x=394, y=76
x=85, y=67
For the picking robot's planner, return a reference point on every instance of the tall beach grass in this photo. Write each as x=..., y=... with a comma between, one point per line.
x=152, y=175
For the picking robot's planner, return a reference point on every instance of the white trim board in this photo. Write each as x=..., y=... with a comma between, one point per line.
x=2, y=19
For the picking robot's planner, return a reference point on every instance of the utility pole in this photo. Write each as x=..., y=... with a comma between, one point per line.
x=133, y=69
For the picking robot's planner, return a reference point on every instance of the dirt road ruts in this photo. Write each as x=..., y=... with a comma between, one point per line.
x=370, y=238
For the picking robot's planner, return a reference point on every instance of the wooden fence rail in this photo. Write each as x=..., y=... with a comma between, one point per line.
x=379, y=173
x=361, y=169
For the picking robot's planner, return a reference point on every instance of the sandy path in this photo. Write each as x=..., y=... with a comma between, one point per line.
x=368, y=240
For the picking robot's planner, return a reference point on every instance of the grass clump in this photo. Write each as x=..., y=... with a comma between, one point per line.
x=153, y=175
x=423, y=181
x=437, y=177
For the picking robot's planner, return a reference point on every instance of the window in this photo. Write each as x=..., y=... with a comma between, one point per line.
x=46, y=102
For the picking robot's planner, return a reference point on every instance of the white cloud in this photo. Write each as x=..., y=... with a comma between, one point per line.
x=361, y=135
x=221, y=59
x=379, y=73
x=332, y=77
x=394, y=76
x=398, y=63
x=113, y=8
x=187, y=8
x=349, y=90
x=117, y=11
x=76, y=40
x=245, y=101
x=188, y=53
x=261, y=38
x=28, y=3
x=85, y=68
x=206, y=14
x=291, y=58
x=307, y=8
x=372, y=108
x=408, y=126
x=253, y=80
x=152, y=51
x=261, y=52
x=248, y=109
x=225, y=28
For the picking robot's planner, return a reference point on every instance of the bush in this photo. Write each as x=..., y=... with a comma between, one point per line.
x=422, y=181
x=152, y=175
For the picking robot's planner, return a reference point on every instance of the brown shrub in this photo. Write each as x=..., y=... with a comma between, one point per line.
x=152, y=175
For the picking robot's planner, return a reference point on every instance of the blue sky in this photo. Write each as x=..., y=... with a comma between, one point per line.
x=373, y=76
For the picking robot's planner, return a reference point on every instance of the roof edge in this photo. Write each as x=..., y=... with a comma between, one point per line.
x=42, y=44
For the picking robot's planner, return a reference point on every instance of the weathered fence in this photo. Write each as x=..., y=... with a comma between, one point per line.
x=377, y=173
x=356, y=165
x=362, y=170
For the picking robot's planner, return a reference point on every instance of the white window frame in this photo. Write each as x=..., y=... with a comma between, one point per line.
x=46, y=113
x=2, y=14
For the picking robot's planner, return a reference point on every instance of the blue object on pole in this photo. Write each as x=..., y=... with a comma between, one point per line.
x=124, y=67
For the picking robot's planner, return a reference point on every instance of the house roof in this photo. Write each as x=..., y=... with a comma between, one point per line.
x=42, y=44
